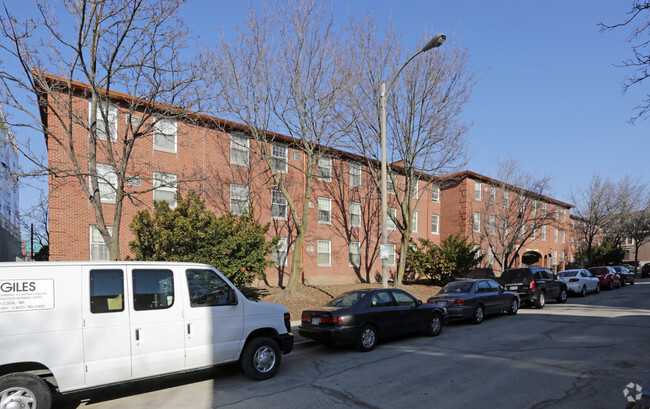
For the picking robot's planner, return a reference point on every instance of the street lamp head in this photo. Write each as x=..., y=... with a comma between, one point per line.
x=436, y=41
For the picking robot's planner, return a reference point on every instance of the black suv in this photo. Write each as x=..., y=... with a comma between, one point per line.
x=534, y=285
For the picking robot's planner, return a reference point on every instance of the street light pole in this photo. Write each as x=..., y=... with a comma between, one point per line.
x=436, y=41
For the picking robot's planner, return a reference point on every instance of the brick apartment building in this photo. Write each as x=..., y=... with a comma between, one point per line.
x=217, y=159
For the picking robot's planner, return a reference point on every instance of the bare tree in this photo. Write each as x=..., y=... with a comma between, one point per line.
x=515, y=211
x=639, y=12
x=130, y=46
x=595, y=205
x=425, y=136
x=285, y=72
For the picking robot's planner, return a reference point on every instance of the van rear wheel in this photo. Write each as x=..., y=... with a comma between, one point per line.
x=261, y=358
x=23, y=390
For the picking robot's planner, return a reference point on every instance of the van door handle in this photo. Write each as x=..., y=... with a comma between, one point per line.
x=189, y=328
x=137, y=334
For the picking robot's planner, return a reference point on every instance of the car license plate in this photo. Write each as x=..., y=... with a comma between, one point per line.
x=512, y=288
x=315, y=321
x=441, y=303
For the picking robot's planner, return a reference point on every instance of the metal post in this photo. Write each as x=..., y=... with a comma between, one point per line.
x=384, y=186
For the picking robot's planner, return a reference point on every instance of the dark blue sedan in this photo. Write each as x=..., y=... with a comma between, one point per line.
x=364, y=316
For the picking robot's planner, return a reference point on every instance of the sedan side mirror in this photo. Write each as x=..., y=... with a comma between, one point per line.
x=417, y=303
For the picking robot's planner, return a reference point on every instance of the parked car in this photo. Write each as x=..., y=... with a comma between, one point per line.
x=626, y=276
x=645, y=270
x=534, y=285
x=475, y=299
x=607, y=277
x=364, y=316
x=580, y=281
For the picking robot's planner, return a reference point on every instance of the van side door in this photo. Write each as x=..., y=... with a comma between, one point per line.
x=106, y=332
x=214, y=319
x=156, y=330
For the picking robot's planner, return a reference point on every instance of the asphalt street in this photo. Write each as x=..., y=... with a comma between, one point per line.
x=581, y=354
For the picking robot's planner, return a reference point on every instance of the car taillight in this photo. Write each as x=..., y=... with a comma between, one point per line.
x=304, y=318
x=459, y=301
x=331, y=320
x=532, y=285
x=573, y=280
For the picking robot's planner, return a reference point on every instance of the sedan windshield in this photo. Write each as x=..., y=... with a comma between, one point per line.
x=346, y=299
x=567, y=273
x=457, y=288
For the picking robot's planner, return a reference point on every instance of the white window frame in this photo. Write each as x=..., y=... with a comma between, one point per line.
x=278, y=158
x=279, y=255
x=490, y=256
x=492, y=220
x=414, y=222
x=352, y=246
x=100, y=246
x=239, y=194
x=355, y=210
x=477, y=222
x=533, y=207
x=629, y=241
x=390, y=186
x=506, y=199
x=557, y=234
x=324, y=210
x=415, y=193
x=478, y=186
x=240, y=148
x=392, y=259
x=493, y=195
x=543, y=233
x=165, y=182
x=355, y=175
x=321, y=245
x=390, y=225
x=279, y=202
x=435, y=192
x=435, y=224
x=112, y=118
x=325, y=168
x=164, y=128
x=106, y=181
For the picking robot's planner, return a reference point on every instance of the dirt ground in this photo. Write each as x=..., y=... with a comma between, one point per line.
x=316, y=296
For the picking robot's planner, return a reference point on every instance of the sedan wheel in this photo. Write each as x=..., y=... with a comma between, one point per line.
x=367, y=339
x=598, y=288
x=563, y=296
x=611, y=285
x=583, y=292
x=514, y=307
x=478, y=315
x=435, y=325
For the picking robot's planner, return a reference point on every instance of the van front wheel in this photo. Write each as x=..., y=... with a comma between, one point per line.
x=261, y=358
x=25, y=390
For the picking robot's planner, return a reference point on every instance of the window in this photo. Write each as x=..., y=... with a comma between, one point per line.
x=477, y=222
x=153, y=289
x=435, y=223
x=556, y=235
x=543, y=233
x=107, y=180
x=98, y=248
x=415, y=191
x=355, y=214
x=390, y=224
x=533, y=207
x=164, y=134
x=106, y=291
x=506, y=199
x=522, y=204
x=403, y=299
x=279, y=158
x=279, y=255
x=534, y=230
x=562, y=257
x=414, y=223
x=355, y=254
x=324, y=210
x=382, y=299
x=490, y=256
x=239, y=150
x=391, y=255
x=207, y=289
x=355, y=175
x=105, y=111
x=493, y=195
x=278, y=205
x=164, y=188
x=629, y=241
x=572, y=242
x=435, y=192
x=324, y=253
x=491, y=223
x=522, y=230
x=325, y=168
x=477, y=190
x=557, y=213
x=238, y=199
x=544, y=209
x=555, y=258
x=564, y=213
x=390, y=182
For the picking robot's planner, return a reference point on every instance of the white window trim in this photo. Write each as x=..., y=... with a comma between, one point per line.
x=91, y=243
x=325, y=162
x=358, y=206
x=355, y=172
x=246, y=195
x=158, y=131
x=326, y=207
x=390, y=225
x=437, y=219
x=278, y=158
x=492, y=221
x=476, y=225
x=285, y=204
x=236, y=144
x=478, y=186
x=281, y=250
x=391, y=250
x=329, y=253
x=543, y=233
x=435, y=192
x=161, y=181
x=112, y=117
x=103, y=177
x=414, y=223
x=358, y=246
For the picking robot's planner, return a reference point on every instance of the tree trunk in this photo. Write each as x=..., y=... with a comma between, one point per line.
x=401, y=266
x=296, y=262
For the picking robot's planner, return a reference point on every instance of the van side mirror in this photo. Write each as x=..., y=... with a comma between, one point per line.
x=232, y=297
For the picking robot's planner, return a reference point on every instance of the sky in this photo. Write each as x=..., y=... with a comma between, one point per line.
x=550, y=94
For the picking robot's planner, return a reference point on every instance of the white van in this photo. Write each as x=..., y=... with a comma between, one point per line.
x=67, y=326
